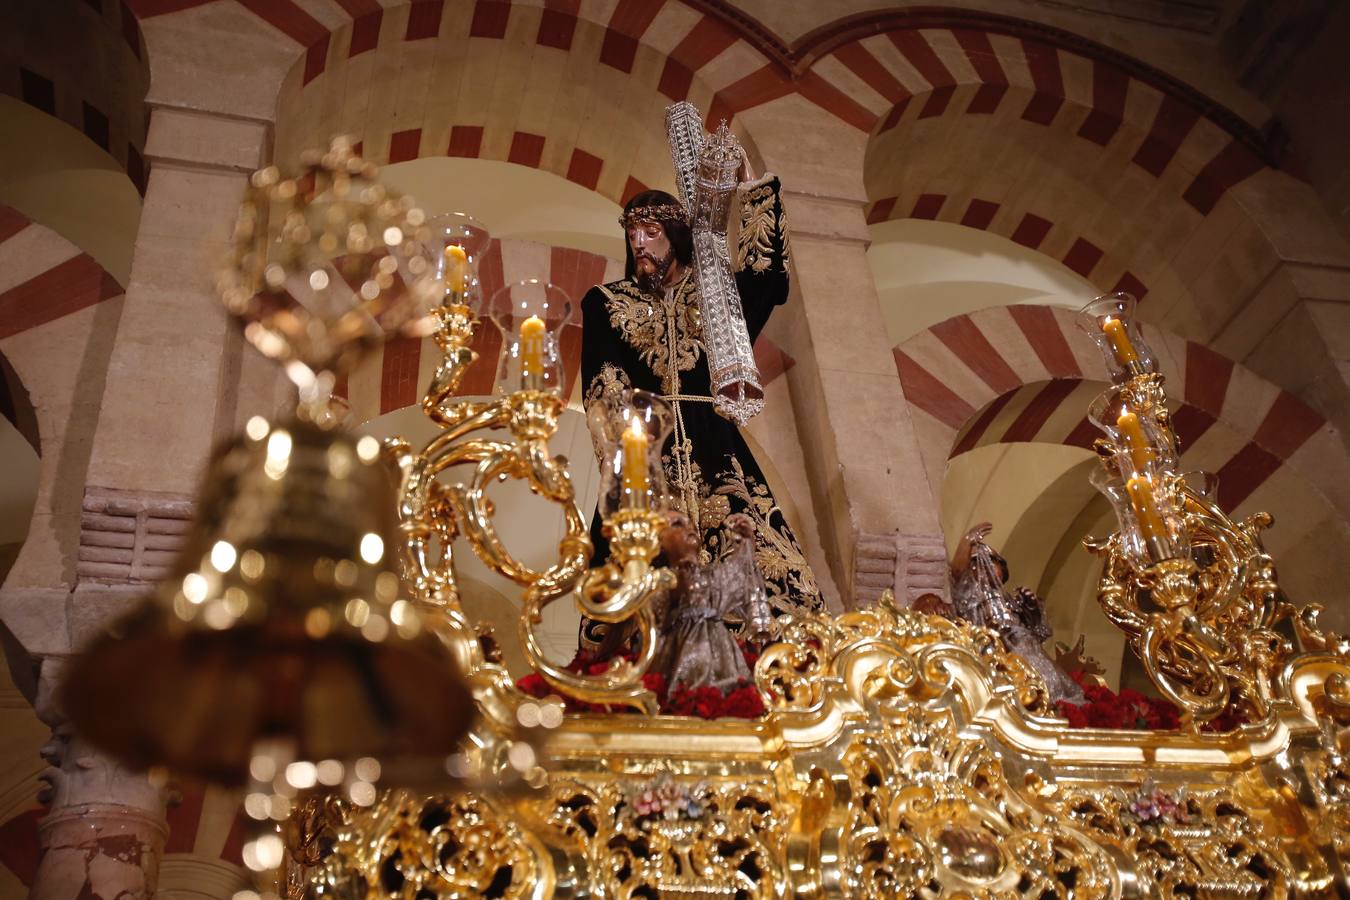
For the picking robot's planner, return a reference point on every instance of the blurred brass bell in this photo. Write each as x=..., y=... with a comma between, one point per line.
x=282, y=621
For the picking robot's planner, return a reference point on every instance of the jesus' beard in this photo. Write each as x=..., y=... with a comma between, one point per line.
x=652, y=283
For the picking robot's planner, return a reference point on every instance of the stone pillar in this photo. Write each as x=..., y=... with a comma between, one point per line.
x=1295, y=329
x=876, y=509
x=172, y=389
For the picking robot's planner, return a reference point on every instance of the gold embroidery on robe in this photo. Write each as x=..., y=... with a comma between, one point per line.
x=644, y=323
x=783, y=236
x=777, y=553
x=754, y=246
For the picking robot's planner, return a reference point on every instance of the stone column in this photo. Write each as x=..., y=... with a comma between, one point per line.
x=173, y=379
x=172, y=389
x=1295, y=329
x=877, y=511
x=104, y=834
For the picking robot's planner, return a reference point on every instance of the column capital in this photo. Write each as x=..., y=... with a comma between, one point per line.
x=826, y=218
x=203, y=140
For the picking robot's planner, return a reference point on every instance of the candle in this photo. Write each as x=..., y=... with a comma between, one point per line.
x=1151, y=524
x=1141, y=452
x=1120, y=342
x=532, y=352
x=635, y=463
x=455, y=265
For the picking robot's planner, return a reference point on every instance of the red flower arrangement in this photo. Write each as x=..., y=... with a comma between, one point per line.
x=1128, y=709
x=1131, y=710
x=1105, y=708
x=741, y=702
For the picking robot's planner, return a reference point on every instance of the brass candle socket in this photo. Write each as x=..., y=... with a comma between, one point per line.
x=613, y=592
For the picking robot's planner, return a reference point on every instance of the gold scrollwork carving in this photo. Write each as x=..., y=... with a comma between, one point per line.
x=668, y=836
x=457, y=845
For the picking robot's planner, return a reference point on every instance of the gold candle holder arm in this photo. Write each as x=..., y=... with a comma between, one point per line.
x=455, y=323
x=620, y=685
x=621, y=591
x=476, y=512
x=616, y=590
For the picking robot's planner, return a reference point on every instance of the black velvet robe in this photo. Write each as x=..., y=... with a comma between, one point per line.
x=630, y=339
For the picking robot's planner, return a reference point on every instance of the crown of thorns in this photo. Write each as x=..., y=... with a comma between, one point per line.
x=659, y=212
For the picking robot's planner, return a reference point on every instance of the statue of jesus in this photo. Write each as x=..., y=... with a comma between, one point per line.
x=644, y=331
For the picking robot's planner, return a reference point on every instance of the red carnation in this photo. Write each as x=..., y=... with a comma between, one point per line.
x=534, y=685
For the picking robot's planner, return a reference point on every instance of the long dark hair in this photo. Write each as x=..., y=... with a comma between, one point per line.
x=677, y=232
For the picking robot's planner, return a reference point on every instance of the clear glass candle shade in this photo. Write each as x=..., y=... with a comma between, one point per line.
x=1148, y=537
x=1110, y=322
x=1143, y=447
x=630, y=430
x=460, y=230
x=531, y=315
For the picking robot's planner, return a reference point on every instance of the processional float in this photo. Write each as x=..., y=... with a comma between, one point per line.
x=385, y=750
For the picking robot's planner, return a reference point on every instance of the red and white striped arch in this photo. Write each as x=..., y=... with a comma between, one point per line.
x=1025, y=373
x=1119, y=173
x=918, y=74
x=1111, y=174
x=577, y=89
x=398, y=375
x=384, y=70
x=44, y=277
x=447, y=77
x=1107, y=270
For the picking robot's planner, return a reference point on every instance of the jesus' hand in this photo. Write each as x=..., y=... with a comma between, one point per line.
x=742, y=526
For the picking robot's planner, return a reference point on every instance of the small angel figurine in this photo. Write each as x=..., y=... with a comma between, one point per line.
x=981, y=598
x=697, y=647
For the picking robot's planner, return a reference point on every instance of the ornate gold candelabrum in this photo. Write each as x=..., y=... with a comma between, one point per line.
x=432, y=515
x=1195, y=592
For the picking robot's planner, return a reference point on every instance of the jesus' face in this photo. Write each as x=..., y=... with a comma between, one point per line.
x=652, y=253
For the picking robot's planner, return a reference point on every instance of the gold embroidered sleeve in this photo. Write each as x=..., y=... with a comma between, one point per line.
x=762, y=242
